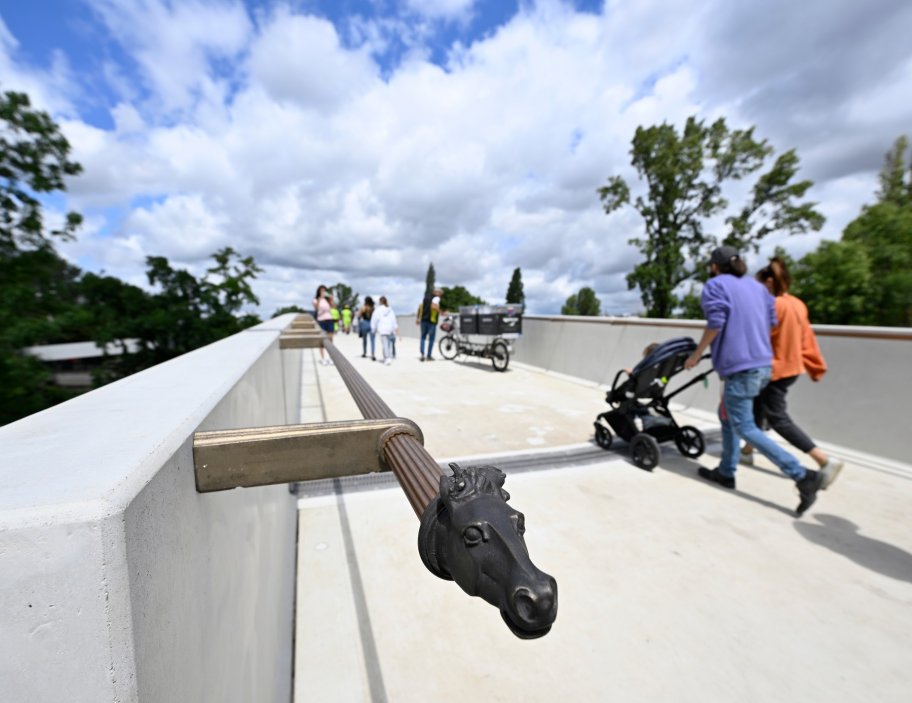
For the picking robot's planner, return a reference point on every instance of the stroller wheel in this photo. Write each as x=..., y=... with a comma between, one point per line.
x=689, y=441
x=602, y=435
x=644, y=448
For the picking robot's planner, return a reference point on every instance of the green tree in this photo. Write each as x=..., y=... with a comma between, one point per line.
x=884, y=231
x=515, y=294
x=585, y=302
x=456, y=296
x=34, y=159
x=430, y=281
x=37, y=287
x=343, y=295
x=189, y=312
x=835, y=282
x=896, y=176
x=288, y=308
x=684, y=175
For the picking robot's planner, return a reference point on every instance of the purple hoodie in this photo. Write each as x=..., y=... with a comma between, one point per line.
x=744, y=312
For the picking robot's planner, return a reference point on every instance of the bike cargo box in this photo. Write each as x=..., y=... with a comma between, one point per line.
x=509, y=324
x=468, y=323
x=488, y=323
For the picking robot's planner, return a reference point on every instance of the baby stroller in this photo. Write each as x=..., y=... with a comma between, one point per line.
x=640, y=414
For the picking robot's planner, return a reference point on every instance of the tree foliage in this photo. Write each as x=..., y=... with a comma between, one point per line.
x=456, y=296
x=34, y=159
x=45, y=300
x=866, y=278
x=343, y=295
x=896, y=175
x=515, y=294
x=585, y=302
x=835, y=283
x=684, y=175
x=430, y=280
x=289, y=308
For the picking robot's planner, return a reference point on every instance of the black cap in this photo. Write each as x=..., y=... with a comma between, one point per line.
x=724, y=255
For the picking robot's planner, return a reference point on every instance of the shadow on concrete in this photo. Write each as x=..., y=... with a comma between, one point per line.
x=842, y=536
x=686, y=468
x=476, y=363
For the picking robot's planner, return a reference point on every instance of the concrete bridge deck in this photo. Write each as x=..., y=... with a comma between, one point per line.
x=670, y=588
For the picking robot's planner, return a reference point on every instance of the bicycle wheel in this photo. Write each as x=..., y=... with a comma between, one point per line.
x=500, y=355
x=448, y=347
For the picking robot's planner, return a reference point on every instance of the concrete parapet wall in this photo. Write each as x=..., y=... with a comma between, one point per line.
x=118, y=581
x=858, y=404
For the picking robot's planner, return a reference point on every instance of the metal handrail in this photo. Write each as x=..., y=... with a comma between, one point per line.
x=417, y=472
x=467, y=533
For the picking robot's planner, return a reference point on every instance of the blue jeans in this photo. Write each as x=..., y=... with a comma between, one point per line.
x=387, y=341
x=737, y=416
x=428, y=330
x=372, y=336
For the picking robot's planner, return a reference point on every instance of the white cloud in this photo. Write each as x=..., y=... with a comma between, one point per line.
x=280, y=138
x=175, y=43
x=299, y=58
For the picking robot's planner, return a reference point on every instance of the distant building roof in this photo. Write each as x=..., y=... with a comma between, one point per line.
x=78, y=350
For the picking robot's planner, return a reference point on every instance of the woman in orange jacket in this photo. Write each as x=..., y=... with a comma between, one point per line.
x=795, y=351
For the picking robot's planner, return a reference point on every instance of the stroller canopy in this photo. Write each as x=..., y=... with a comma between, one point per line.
x=683, y=346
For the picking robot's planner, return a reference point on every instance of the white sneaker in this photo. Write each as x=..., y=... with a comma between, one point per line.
x=746, y=458
x=388, y=362
x=322, y=362
x=830, y=471
x=329, y=362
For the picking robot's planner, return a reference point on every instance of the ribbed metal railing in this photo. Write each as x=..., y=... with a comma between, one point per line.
x=417, y=472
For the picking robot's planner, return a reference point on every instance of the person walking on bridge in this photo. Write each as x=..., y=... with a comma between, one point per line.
x=795, y=351
x=384, y=323
x=323, y=309
x=428, y=314
x=740, y=313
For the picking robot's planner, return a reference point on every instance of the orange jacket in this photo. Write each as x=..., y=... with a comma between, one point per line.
x=795, y=347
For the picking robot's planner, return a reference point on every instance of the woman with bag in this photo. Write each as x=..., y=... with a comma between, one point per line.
x=795, y=351
x=364, y=327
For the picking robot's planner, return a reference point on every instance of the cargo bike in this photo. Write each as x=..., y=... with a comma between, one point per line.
x=484, y=332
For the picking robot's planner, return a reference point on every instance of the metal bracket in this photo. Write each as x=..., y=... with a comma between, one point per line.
x=262, y=456
x=297, y=340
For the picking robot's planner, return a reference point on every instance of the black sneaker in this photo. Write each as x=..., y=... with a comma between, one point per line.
x=807, y=489
x=430, y=358
x=716, y=476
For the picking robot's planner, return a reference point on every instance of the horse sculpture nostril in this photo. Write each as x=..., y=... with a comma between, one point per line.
x=524, y=605
x=536, y=607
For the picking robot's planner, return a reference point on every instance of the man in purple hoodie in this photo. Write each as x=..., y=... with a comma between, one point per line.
x=739, y=314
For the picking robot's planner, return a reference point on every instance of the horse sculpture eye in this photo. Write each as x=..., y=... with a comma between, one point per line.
x=520, y=525
x=472, y=536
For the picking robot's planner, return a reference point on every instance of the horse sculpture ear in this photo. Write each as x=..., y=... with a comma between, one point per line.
x=446, y=489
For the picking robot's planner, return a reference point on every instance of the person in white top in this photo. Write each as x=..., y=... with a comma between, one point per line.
x=384, y=323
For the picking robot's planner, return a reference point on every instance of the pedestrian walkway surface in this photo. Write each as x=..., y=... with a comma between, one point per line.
x=670, y=589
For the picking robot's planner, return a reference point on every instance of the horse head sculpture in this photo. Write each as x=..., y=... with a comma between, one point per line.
x=470, y=535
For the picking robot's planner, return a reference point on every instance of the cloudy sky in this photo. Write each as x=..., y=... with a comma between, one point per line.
x=359, y=140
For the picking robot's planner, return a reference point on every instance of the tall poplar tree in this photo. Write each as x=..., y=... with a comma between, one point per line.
x=515, y=294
